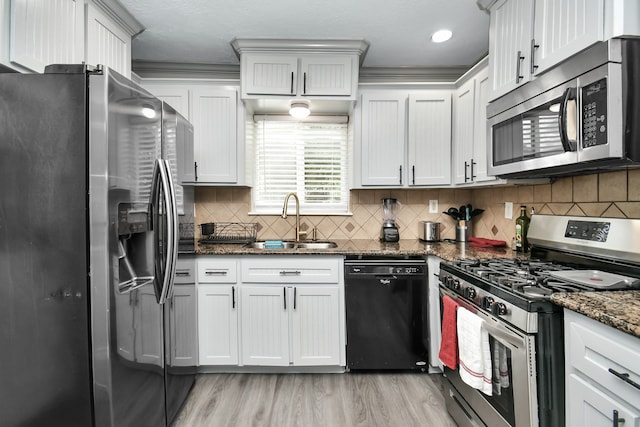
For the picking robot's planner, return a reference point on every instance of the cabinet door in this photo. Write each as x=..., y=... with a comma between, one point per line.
x=315, y=325
x=269, y=74
x=510, y=32
x=587, y=405
x=463, y=131
x=175, y=95
x=429, y=146
x=107, y=43
x=183, y=326
x=217, y=325
x=325, y=75
x=383, y=138
x=46, y=32
x=148, y=327
x=214, y=119
x=265, y=325
x=563, y=28
x=480, y=148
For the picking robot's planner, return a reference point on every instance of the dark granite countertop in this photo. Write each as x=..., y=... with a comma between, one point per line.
x=364, y=247
x=620, y=309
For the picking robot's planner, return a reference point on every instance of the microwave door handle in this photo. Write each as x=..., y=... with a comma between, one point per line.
x=569, y=142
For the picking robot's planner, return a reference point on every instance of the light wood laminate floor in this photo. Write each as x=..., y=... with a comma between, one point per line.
x=307, y=400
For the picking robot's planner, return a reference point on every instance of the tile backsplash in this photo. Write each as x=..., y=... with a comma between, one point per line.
x=612, y=194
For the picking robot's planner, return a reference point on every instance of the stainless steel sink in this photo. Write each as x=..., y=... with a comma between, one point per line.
x=263, y=245
x=316, y=245
x=293, y=245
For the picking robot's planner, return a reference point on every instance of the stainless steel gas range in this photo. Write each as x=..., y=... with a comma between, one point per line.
x=524, y=328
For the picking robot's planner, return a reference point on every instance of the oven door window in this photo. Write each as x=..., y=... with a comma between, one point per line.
x=543, y=131
x=502, y=378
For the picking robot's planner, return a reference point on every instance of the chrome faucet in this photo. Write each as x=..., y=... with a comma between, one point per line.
x=284, y=214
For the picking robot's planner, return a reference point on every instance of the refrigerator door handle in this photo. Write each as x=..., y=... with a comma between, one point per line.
x=165, y=244
x=173, y=235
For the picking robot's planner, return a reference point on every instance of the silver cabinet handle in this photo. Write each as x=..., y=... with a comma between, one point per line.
x=290, y=273
x=400, y=174
x=183, y=273
x=534, y=46
x=413, y=172
x=518, y=66
x=195, y=169
x=466, y=165
x=304, y=83
x=292, y=83
x=284, y=297
x=295, y=292
x=216, y=272
x=472, y=174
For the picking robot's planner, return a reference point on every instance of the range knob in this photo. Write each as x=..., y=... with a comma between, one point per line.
x=487, y=302
x=456, y=285
x=448, y=281
x=470, y=293
x=499, y=309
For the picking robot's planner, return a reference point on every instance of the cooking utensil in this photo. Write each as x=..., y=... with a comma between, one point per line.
x=467, y=212
x=476, y=212
x=453, y=213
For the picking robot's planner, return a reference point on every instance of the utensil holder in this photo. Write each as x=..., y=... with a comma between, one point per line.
x=463, y=231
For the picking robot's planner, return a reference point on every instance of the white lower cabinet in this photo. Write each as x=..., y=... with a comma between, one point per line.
x=271, y=310
x=292, y=311
x=183, y=343
x=602, y=374
x=217, y=311
x=290, y=325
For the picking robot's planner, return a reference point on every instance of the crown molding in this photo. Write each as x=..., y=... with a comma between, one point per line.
x=410, y=74
x=118, y=13
x=157, y=69
x=352, y=46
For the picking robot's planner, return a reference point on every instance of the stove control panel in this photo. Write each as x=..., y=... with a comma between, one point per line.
x=588, y=230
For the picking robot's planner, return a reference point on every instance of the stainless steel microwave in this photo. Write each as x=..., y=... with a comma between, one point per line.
x=579, y=117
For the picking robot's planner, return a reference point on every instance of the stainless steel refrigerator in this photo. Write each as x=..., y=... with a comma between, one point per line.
x=88, y=248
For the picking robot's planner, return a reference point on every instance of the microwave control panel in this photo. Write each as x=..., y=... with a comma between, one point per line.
x=594, y=114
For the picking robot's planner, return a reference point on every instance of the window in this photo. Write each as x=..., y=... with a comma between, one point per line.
x=306, y=157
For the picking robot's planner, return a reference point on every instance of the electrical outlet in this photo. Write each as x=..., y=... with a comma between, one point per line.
x=433, y=206
x=508, y=210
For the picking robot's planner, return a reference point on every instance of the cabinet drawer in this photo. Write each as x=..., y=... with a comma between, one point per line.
x=217, y=270
x=186, y=270
x=296, y=269
x=594, y=348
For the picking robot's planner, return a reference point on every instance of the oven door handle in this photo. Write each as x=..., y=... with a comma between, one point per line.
x=569, y=142
x=494, y=326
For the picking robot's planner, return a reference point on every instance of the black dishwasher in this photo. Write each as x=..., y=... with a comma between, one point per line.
x=386, y=304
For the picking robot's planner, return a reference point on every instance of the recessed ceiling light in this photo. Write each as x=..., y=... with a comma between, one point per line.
x=441, y=36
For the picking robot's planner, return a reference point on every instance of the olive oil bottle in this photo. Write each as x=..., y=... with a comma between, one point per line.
x=522, y=227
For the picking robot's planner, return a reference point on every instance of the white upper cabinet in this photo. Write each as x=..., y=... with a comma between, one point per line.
x=320, y=69
x=470, y=129
x=429, y=138
x=509, y=45
x=108, y=43
x=327, y=75
x=526, y=38
x=214, y=118
x=405, y=138
x=383, y=138
x=46, y=32
x=269, y=74
x=563, y=28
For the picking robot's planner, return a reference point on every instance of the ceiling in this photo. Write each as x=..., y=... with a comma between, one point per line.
x=398, y=31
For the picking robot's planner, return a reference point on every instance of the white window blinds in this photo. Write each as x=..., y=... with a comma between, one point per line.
x=309, y=158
